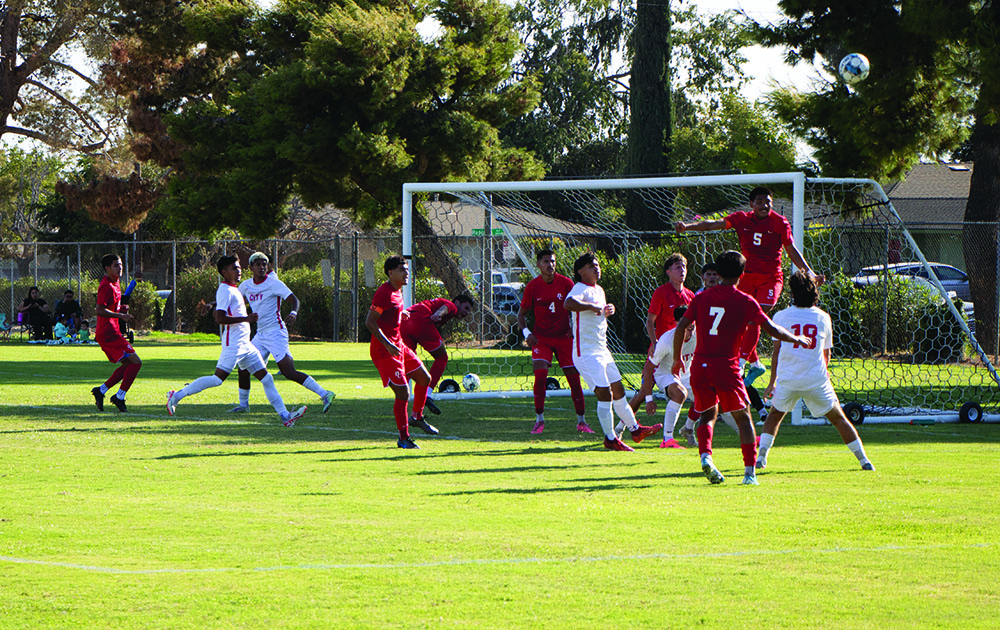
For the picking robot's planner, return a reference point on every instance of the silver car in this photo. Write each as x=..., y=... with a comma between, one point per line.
x=952, y=279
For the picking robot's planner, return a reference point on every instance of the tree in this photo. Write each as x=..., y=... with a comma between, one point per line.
x=935, y=66
x=27, y=184
x=41, y=45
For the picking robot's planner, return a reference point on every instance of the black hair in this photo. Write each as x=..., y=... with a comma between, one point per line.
x=466, y=299
x=731, y=264
x=393, y=262
x=679, y=312
x=224, y=262
x=585, y=259
x=543, y=253
x=709, y=266
x=760, y=190
x=805, y=293
x=109, y=259
x=672, y=260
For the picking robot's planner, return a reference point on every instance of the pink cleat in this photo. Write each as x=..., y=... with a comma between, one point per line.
x=583, y=427
x=538, y=428
x=617, y=445
x=641, y=432
x=671, y=443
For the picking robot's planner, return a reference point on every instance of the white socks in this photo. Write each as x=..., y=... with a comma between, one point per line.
x=606, y=419
x=273, y=396
x=859, y=450
x=670, y=415
x=728, y=419
x=624, y=412
x=244, y=397
x=199, y=384
x=311, y=384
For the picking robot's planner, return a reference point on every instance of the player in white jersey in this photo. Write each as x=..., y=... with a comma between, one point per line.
x=799, y=372
x=590, y=311
x=231, y=314
x=266, y=295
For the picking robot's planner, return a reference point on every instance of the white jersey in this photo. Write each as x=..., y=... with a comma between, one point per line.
x=590, y=330
x=229, y=299
x=799, y=368
x=265, y=299
x=663, y=353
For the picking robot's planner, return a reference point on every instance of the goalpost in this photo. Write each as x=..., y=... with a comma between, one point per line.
x=903, y=348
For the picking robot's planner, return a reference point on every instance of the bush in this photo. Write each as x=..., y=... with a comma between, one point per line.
x=315, y=317
x=944, y=338
x=194, y=286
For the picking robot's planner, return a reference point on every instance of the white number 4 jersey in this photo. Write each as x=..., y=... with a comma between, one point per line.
x=265, y=299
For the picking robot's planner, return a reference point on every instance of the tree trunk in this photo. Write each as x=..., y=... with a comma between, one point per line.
x=979, y=236
x=650, y=108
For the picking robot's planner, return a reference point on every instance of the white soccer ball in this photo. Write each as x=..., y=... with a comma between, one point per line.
x=470, y=382
x=854, y=68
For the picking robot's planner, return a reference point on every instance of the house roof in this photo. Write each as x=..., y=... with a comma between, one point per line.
x=460, y=218
x=932, y=193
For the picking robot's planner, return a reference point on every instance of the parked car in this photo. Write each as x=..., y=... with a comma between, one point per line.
x=952, y=278
x=507, y=298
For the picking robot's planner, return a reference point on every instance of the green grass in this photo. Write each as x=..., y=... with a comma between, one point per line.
x=211, y=520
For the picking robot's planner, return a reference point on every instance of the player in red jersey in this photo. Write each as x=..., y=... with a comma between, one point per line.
x=422, y=327
x=109, y=337
x=544, y=297
x=660, y=319
x=722, y=315
x=395, y=362
x=763, y=235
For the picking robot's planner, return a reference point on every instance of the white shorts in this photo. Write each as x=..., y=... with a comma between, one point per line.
x=246, y=356
x=598, y=370
x=271, y=345
x=666, y=378
x=820, y=400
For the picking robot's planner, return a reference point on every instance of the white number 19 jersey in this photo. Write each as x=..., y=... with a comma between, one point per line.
x=800, y=368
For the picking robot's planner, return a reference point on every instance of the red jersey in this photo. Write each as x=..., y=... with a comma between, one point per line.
x=545, y=300
x=388, y=303
x=721, y=315
x=761, y=240
x=665, y=299
x=422, y=311
x=109, y=295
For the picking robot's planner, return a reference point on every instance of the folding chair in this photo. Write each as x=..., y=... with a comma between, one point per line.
x=21, y=326
x=4, y=327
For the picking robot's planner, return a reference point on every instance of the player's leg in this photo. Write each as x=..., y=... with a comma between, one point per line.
x=132, y=364
x=748, y=445
x=286, y=365
x=399, y=413
x=676, y=394
x=199, y=384
x=767, y=435
x=765, y=289
x=243, y=387
x=438, y=366
x=540, y=368
x=576, y=395
x=826, y=398
x=416, y=372
x=624, y=410
x=645, y=387
x=689, y=424
x=116, y=351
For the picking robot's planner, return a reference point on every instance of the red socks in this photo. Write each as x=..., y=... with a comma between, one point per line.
x=131, y=369
x=419, y=399
x=576, y=392
x=704, y=432
x=539, y=390
x=116, y=376
x=749, y=453
x=402, y=421
x=437, y=371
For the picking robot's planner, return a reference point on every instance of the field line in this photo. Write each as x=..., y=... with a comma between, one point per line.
x=499, y=561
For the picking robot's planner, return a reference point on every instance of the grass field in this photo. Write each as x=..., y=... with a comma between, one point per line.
x=206, y=519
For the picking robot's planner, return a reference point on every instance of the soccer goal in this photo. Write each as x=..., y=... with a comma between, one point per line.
x=903, y=345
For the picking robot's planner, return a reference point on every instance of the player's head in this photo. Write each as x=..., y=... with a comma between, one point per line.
x=229, y=268
x=709, y=275
x=678, y=314
x=465, y=305
x=258, y=263
x=731, y=264
x=805, y=293
x=397, y=270
x=589, y=265
x=393, y=262
x=674, y=263
x=112, y=264
x=546, y=260
x=761, y=200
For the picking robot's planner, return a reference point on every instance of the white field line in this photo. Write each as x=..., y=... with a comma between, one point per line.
x=498, y=561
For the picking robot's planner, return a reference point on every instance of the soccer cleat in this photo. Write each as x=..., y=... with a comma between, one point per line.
x=294, y=415
x=423, y=425
x=327, y=401
x=118, y=402
x=538, y=428
x=617, y=445
x=171, y=405
x=432, y=407
x=689, y=436
x=98, y=398
x=711, y=472
x=750, y=480
x=761, y=463
x=640, y=432
x=867, y=466
x=583, y=427
x=407, y=443
x=671, y=443
x=755, y=371
x=240, y=409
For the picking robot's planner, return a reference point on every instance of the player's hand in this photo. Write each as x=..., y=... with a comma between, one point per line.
x=609, y=310
x=680, y=227
x=435, y=318
x=393, y=349
x=805, y=342
x=126, y=316
x=404, y=315
x=769, y=391
x=676, y=368
x=290, y=318
x=820, y=280
x=531, y=340
x=252, y=317
x=650, y=407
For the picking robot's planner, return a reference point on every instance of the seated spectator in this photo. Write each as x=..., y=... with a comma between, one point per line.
x=64, y=333
x=36, y=312
x=83, y=335
x=70, y=307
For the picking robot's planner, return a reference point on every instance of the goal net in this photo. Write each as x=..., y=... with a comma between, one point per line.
x=903, y=344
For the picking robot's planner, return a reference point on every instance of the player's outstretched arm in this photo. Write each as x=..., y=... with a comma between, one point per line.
x=223, y=318
x=700, y=226
x=679, y=331
x=783, y=334
x=800, y=262
x=769, y=390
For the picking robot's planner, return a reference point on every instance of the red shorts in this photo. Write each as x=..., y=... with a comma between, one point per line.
x=117, y=349
x=424, y=333
x=763, y=287
x=561, y=346
x=394, y=369
x=717, y=381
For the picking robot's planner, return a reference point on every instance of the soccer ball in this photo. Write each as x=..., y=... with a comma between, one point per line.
x=854, y=68
x=470, y=382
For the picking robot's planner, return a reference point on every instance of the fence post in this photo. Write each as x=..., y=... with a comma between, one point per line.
x=79, y=273
x=336, y=289
x=173, y=295
x=354, y=288
x=35, y=262
x=996, y=295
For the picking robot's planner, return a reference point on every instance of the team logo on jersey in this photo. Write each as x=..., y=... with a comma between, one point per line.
x=559, y=296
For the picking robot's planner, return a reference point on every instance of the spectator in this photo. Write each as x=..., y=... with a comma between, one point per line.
x=84, y=332
x=64, y=333
x=69, y=307
x=36, y=311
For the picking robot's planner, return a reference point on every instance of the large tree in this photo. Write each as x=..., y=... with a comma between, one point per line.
x=935, y=67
